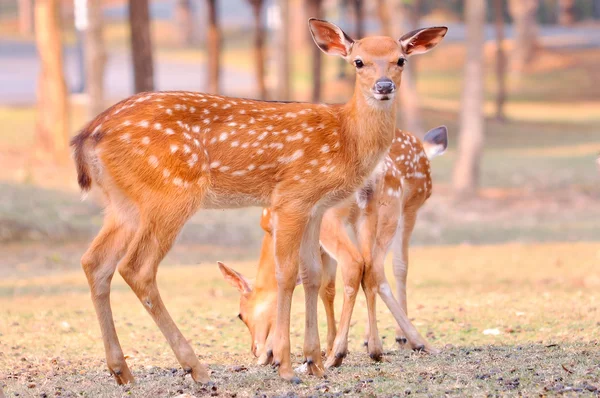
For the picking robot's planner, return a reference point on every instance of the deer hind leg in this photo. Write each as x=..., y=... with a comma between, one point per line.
x=400, y=263
x=367, y=231
x=311, y=271
x=99, y=264
x=338, y=244
x=158, y=229
x=376, y=280
x=327, y=294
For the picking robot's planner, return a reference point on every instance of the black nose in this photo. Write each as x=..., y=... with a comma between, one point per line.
x=384, y=86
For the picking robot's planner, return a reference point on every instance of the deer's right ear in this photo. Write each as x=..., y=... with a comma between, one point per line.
x=330, y=38
x=435, y=141
x=235, y=279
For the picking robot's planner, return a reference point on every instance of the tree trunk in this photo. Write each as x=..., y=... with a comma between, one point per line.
x=384, y=17
x=259, y=49
x=523, y=13
x=52, y=130
x=500, y=59
x=213, y=45
x=410, y=111
x=359, y=18
x=314, y=11
x=95, y=59
x=141, y=45
x=282, y=52
x=566, y=12
x=26, y=17
x=470, y=141
x=182, y=19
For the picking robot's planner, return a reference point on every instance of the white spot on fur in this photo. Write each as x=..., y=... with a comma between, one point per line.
x=295, y=156
x=174, y=148
x=294, y=137
x=215, y=164
x=325, y=148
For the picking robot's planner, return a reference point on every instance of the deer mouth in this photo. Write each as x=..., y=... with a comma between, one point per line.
x=383, y=97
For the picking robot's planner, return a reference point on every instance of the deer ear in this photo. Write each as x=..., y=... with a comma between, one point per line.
x=235, y=279
x=330, y=38
x=436, y=141
x=422, y=40
x=265, y=221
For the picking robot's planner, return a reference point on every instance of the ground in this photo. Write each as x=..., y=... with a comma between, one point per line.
x=505, y=284
x=539, y=302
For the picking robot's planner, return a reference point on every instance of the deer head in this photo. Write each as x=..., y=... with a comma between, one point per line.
x=378, y=60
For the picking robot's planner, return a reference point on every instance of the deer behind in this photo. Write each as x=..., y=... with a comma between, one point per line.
x=159, y=157
x=404, y=184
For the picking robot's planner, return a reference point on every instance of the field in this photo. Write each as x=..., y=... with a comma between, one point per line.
x=541, y=299
x=505, y=284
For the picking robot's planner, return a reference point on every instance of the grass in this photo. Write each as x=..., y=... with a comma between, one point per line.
x=541, y=298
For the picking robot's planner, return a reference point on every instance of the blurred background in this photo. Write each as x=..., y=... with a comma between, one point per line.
x=516, y=82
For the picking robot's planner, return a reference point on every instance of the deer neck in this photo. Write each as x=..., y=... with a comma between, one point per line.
x=368, y=124
x=265, y=275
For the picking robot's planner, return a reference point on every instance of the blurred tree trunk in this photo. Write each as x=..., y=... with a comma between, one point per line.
x=95, y=59
x=500, y=59
x=141, y=45
x=470, y=141
x=384, y=17
x=566, y=12
x=314, y=11
x=259, y=48
x=52, y=130
x=523, y=13
x=282, y=51
x=183, y=22
x=405, y=20
x=26, y=17
x=213, y=44
x=359, y=18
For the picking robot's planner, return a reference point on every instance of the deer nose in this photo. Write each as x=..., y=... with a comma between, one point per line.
x=384, y=86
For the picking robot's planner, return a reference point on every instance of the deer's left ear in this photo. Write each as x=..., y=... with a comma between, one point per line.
x=435, y=142
x=330, y=38
x=422, y=40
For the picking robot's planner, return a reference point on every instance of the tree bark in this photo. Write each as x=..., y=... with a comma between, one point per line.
x=26, y=17
x=95, y=59
x=282, y=52
x=52, y=130
x=384, y=17
x=182, y=19
x=566, y=12
x=213, y=45
x=470, y=142
x=141, y=45
x=314, y=11
x=410, y=111
x=259, y=48
x=500, y=59
x=359, y=18
x=523, y=13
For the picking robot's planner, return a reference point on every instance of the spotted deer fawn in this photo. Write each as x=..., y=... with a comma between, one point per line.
x=394, y=195
x=159, y=157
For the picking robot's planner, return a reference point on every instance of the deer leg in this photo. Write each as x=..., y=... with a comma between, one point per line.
x=400, y=263
x=154, y=238
x=377, y=282
x=311, y=271
x=99, y=264
x=288, y=230
x=367, y=230
x=338, y=244
x=327, y=294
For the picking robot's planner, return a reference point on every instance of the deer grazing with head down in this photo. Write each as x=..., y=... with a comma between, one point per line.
x=394, y=195
x=159, y=157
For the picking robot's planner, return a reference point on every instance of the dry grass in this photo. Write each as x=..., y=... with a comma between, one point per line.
x=542, y=299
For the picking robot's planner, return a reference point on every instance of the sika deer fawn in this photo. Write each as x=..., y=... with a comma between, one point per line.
x=401, y=187
x=159, y=157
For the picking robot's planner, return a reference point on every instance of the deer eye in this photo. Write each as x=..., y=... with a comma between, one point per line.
x=358, y=63
x=401, y=61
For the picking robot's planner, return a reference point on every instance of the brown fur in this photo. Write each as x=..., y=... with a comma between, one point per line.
x=400, y=190
x=159, y=157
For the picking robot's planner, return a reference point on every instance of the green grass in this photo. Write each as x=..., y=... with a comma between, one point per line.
x=541, y=298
